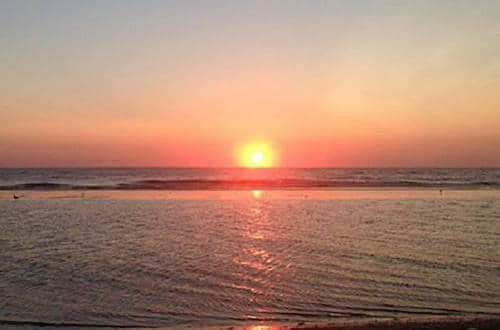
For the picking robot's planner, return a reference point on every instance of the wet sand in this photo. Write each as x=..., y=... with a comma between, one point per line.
x=348, y=193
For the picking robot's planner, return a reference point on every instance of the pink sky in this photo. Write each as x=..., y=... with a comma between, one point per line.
x=181, y=84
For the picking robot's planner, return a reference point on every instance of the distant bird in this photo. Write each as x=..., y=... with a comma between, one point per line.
x=15, y=197
x=441, y=191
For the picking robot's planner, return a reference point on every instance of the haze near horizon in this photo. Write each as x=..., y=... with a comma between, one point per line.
x=311, y=84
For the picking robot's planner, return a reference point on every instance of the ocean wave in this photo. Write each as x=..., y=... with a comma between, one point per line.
x=196, y=184
x=38, y=324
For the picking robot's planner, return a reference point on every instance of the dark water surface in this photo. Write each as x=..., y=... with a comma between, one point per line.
x=171, y=262
x=238, y=178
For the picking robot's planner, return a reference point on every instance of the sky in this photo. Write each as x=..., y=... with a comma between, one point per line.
x=187, y=83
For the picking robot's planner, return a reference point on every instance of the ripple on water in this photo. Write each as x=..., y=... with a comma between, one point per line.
x=169, y=262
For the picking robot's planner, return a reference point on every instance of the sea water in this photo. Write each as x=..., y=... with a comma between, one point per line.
x=172, y=258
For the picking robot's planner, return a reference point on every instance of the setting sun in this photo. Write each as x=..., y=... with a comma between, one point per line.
x=256, y=155
x=257, y=158
x=257, y=165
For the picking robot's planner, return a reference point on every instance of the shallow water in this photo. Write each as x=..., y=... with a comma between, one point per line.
x=247, y=259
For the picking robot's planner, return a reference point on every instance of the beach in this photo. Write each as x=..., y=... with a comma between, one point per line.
x=291, y=194
x=249, y=165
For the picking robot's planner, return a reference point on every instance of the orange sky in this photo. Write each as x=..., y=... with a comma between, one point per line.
x=184, y=84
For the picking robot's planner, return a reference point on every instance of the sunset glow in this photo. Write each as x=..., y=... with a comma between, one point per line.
x=330, y=84
x=256, y=155
x=261, y=165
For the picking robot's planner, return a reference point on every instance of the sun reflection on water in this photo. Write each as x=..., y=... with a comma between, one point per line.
x=257, y=193
x=254, y=262
x=264, y=327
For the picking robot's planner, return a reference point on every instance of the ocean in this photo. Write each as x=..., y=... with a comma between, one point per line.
x=215, y=247
x=238, y=178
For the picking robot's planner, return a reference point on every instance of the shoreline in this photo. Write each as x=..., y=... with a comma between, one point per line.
x=299, y=194
x=242, y=187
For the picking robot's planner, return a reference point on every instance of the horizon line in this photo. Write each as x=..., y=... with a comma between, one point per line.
x=245, y=168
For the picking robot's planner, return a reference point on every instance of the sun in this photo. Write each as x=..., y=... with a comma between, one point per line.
x=256, y=155
x=257, y=158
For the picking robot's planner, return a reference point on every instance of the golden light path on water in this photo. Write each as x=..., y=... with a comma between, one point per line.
x=251, y=256
x=263, y=267
x=257, y=193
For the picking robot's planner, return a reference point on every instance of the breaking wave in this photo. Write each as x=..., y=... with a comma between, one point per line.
x=196, y=184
